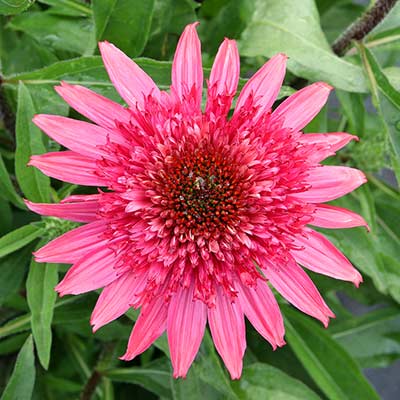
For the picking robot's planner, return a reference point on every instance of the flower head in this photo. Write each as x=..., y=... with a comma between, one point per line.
x=203, y=210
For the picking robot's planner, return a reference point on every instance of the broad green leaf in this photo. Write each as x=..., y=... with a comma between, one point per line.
x=7, y=190
x=208, y=367
x=294, y=28
x=20, y=385
x=387, y=101
x=154, y=377
x=393, y=74
x=230, y=21
x=41, y=296
x=9, y=7
x=20, y=52
x=331, y=367
x=261, y=381
x=356, y=335
x=374, y=253
x=12, y=272
x=90, y=72
x=19, y=238
x=34, y=184
x=193, y=388
x=56, y=32
x=169, y=19
x=125, y=23
x=72, y=8
x=206, y=377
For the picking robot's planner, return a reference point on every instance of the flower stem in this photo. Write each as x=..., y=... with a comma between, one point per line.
x=363, y=25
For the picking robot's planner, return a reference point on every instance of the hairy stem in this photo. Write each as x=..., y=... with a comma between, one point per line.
x=362, y=26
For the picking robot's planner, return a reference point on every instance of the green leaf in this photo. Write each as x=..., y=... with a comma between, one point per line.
x=34, y=184
x=261, y=381
x=331, y=367
x=17, y=325
x=230, y=21
x=7, y=190
x=70, y=8
x=125, y=23
x=387, y=101
x=386, y=40
x=41, y=296
x=22, y=323
x=9, y=7
x=57, y=32
x=13, y=343
x=208, y=367
x=90, y=72
x=12, y=270
x=356, y=335
x=294, y=28
x=6, y=217
x=20, y=385
x=21, y=53
x=169, y=19
x=393, y=74
x=18, y=238
x=154, y=377
x=354, y=109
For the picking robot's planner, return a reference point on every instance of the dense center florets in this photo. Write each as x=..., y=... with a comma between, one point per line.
x=202, y=189
x=202, y=197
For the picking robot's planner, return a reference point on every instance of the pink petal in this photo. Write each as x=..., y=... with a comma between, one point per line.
x=327, y=216
x=265, y=84
x=73, y=245
x=262, y=310
x=70, y=167
x=227, y=327
x=93, y=271
x=79, y=136
x=137, y=200
x=150, y=325
x=187, y=70
x=116, y=298
x=80, y=211
x=131, y=82
x=186, y=323
x=330, y=143
x=330, y=182
x=226, y=69
x=301, y=107
x=97, y=108
x=320, y=255
x=296, y=287
x=79, y=198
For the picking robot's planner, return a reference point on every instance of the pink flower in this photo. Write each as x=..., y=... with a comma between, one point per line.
x=201, y=209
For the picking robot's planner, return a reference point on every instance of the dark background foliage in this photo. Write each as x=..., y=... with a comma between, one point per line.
x=47, y=349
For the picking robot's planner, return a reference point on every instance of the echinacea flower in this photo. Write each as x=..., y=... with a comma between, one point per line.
x=202, y=211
